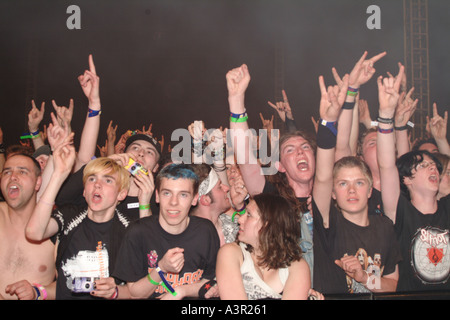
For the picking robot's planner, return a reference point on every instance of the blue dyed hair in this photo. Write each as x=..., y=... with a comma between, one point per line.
x=177, y=171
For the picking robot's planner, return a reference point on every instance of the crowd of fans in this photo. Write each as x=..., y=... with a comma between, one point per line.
x=354, y=207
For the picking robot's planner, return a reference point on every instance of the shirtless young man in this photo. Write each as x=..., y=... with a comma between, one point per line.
x=23, y=263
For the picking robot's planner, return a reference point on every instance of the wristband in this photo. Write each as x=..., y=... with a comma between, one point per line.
x=352, y=91
x=152, y=281
x=238, y=117
x=329, y=125
x=409, y=123
x=326, y=139
x=241, y=119
x=240, y=212
x=401, y=128
x=348, y=105
x=385, y=130
x=93, y=113
x=40, y=289
x=115, y=295
x=35, y=135
x=165, y=283
x=385, y=120
x=144, y=206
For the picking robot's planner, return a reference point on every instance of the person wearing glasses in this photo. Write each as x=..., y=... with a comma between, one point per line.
x=409, y=188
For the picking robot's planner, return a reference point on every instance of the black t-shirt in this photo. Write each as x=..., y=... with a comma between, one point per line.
x=146, y=242
x=375, y=202
x=87, y=250
x=375, y=245
x=424, y=241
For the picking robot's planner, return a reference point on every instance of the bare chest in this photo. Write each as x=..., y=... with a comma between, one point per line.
x=21, y=259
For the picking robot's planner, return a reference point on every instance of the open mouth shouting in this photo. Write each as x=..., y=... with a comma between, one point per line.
x=302, y=165
x=13, y=191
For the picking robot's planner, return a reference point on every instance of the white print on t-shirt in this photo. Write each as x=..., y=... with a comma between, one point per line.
x=430, y=256
x=87, y=264
x=373, y=268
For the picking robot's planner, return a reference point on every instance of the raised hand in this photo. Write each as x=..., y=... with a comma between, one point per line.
x=283, y=108
x=64, y=114
x=64, y=156
x=111, y=132
x=363, y=70
x=405, y=108
x=237, y=81
x=35, y=116
x=146, y=187
x=388, y=94
x=103, y=149
x=149, y=130
x=332, y=99
x=438, y=124
x=55, y=133
x=90, y=83
x=266, y=124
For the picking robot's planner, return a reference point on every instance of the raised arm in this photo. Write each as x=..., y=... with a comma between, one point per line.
x=388, y=96
x=90, y=83
x=405, y=109
x=110, y=142
x=238, y=80
x=361, y=73
x=438, y=128
x=331, y=102
x=41, y=225
x=284, y=111
x=35, y=117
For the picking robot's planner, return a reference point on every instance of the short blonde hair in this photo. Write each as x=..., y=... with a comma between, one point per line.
x=353, y=162
x=100, y=164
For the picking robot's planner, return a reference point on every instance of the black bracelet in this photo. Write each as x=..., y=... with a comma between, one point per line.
x=401, y=128
x=385, y=120
x=2, y=148
x=348, y=105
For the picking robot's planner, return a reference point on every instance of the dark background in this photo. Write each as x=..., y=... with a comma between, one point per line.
x=164, y=62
